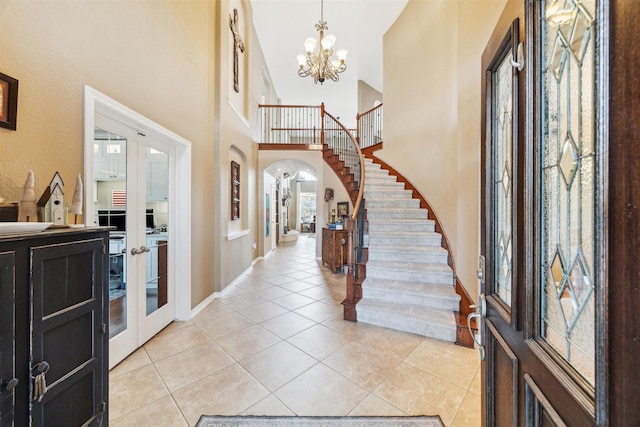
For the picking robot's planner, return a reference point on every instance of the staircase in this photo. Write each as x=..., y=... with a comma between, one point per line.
x=409, y=285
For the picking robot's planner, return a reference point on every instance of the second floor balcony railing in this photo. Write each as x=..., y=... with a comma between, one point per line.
x=370, y=127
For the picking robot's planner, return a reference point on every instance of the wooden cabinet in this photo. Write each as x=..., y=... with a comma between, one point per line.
x=53, y=294
x=334, y=252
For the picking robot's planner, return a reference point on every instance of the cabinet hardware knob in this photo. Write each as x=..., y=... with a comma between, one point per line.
x=13, y=383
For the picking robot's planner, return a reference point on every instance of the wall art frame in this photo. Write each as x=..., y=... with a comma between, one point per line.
x=343, y=209
x=8, y=102
x=235, y=191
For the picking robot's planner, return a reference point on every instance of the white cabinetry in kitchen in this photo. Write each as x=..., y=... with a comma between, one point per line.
x=157, y=177
x=110, y=160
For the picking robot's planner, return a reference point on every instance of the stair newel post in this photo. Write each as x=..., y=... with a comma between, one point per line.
x=350, y=301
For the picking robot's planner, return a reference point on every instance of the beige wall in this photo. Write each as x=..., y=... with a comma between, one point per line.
x=367, y=96
x=432, y=109
x=166, y=60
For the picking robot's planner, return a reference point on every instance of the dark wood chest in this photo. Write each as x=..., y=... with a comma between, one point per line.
x=334, y=248
x=52, y=317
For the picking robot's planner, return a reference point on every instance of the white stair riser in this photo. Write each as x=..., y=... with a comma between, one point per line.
x=449, y=304
x=397, y=214
x=417, y=257
x=440, y=279
x=431, y=239
x=408, y=325
x=402, y=226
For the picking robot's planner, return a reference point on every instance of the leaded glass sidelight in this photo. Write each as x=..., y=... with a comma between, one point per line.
x=502, y=173
x=568, y=182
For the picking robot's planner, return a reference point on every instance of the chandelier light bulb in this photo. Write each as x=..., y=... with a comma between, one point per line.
x=342, y=54
x=310, y=44
x=302, y=60
x=328, y=41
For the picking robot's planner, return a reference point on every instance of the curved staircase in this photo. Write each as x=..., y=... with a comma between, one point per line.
x=409, y=285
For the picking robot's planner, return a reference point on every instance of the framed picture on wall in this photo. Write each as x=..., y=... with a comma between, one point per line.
x=235, y=190
x=343, y=209
x=8, y=102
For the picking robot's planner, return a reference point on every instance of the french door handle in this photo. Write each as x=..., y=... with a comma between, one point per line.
x=480, y=313
x=143, y=249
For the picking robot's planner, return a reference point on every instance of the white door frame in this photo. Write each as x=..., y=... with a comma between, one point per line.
x=95, y=101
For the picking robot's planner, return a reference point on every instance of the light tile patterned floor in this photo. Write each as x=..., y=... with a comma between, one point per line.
x=276, y=344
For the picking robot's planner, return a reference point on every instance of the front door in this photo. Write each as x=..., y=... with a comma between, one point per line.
x=131, y=177
x=547, y=237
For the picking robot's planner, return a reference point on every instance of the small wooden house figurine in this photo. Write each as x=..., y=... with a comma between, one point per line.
x=52, y=206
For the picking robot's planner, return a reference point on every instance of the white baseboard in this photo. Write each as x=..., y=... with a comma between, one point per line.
x=217, y=295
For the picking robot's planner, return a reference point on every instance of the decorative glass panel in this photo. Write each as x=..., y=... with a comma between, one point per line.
x=503, y=176
x=568, y=187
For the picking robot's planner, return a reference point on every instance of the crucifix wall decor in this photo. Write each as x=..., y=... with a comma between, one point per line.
x=238, y=44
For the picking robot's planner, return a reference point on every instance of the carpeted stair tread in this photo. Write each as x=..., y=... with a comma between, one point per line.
x=404, y=234
x=409, y=249
x=434, y=296
x=409, y=253
x=410, y=266
x=393, y=203
x=415, y=319
x=388, y=192
x=401, y=225
x=397, y=213
x=411, y=287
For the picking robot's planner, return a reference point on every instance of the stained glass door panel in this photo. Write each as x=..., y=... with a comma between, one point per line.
x=568, y=183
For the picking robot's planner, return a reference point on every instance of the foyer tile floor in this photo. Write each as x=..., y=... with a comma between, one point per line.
x=276, y=344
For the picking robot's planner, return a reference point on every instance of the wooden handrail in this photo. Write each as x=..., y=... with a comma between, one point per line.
x=369, y=111
x=358, y=202
x=287, y=106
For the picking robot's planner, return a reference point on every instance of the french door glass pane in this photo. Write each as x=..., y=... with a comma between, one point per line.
x=568, y=183
x=110, y=209
x=157, y=237
x=502, y=172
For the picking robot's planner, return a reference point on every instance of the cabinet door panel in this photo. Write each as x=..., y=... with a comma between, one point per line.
x=67, y=330
x=72, y=273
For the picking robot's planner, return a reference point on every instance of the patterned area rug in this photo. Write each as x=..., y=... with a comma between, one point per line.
x=252, y=421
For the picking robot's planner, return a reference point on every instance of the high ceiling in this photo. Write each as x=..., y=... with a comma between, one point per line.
x=283, y=25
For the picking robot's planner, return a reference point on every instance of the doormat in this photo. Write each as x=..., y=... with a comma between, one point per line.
x=269, y=421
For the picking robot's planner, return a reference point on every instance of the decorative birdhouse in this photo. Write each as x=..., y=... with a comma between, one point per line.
x=52, y=206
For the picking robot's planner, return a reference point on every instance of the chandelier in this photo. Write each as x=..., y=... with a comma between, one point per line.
x=320, y=65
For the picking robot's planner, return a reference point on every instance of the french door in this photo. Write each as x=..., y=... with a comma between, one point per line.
x=131, y=179
x=553, y=216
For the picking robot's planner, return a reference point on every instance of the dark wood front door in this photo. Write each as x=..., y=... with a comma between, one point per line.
x=560, y=234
